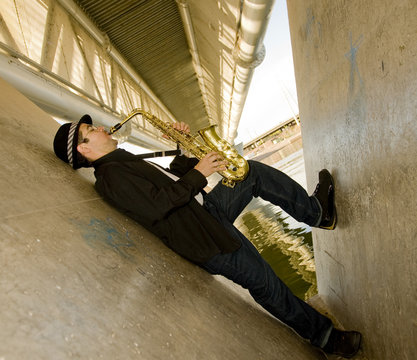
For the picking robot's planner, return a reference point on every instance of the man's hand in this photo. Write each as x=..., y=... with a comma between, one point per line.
x=211, y=163
x=181, y=127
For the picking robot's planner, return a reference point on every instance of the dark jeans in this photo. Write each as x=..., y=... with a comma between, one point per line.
x=246, y=267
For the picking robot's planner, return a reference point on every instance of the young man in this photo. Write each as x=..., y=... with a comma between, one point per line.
x=198, y=226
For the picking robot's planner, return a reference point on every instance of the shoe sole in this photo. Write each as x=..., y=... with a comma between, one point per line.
x=357, y=346
x=333, y=225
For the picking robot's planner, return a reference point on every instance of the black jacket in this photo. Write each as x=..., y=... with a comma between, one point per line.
x=165, y=207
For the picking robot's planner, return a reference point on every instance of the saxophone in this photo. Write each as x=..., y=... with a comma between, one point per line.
x=237, y=167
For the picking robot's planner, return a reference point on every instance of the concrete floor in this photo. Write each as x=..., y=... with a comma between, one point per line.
x=80, y=281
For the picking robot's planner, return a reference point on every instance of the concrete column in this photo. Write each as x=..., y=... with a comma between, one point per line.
x=355, y=66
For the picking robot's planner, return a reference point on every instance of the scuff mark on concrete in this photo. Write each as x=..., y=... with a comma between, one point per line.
x=99, y=232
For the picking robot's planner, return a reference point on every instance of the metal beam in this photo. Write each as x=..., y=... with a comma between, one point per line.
x=64, y=104
x=75, y=11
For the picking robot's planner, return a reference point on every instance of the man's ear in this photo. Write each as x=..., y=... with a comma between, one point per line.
x=83, y=149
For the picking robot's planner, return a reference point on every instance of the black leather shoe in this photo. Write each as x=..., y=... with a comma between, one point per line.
x=325, y=195
x=343, y=343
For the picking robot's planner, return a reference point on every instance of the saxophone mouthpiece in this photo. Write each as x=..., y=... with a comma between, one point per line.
x=114, y=128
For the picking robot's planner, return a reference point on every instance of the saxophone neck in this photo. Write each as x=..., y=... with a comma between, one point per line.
x=133, y=113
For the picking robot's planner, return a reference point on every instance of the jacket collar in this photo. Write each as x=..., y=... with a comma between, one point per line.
x=115, y=155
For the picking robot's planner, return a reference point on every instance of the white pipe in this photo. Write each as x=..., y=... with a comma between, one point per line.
x=62, y=103
x=249, y=53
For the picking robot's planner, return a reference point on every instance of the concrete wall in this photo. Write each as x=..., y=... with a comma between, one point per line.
x=80, y=281
x=355, y=66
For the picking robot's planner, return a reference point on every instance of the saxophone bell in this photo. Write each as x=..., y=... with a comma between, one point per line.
x=237, y=168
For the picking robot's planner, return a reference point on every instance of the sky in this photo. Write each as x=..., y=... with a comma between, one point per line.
x=272, y=96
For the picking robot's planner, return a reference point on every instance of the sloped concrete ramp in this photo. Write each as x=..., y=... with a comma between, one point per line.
x=80, y=281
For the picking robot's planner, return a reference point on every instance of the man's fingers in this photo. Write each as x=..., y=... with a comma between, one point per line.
x=217, y=161
x=211, y=163
x=221, y=165
x=181, y=126
x=215, y=156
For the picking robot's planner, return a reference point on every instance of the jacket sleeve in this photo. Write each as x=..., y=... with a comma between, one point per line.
x=138, y=195
x=182, y=164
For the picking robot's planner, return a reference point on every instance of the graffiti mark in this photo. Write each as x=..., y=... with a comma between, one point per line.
x=356, y=102
x=97, y=232
x=312, y=30
x=351, y=55
x=310, y=21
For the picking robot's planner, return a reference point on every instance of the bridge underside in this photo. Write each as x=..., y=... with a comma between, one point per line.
x=188, y=61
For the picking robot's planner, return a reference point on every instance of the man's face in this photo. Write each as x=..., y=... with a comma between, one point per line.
x=96, y=140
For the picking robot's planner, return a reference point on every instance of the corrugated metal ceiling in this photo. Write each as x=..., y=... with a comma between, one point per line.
x=150, y=35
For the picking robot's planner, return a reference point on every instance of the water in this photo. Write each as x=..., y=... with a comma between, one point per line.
x=283, y=242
